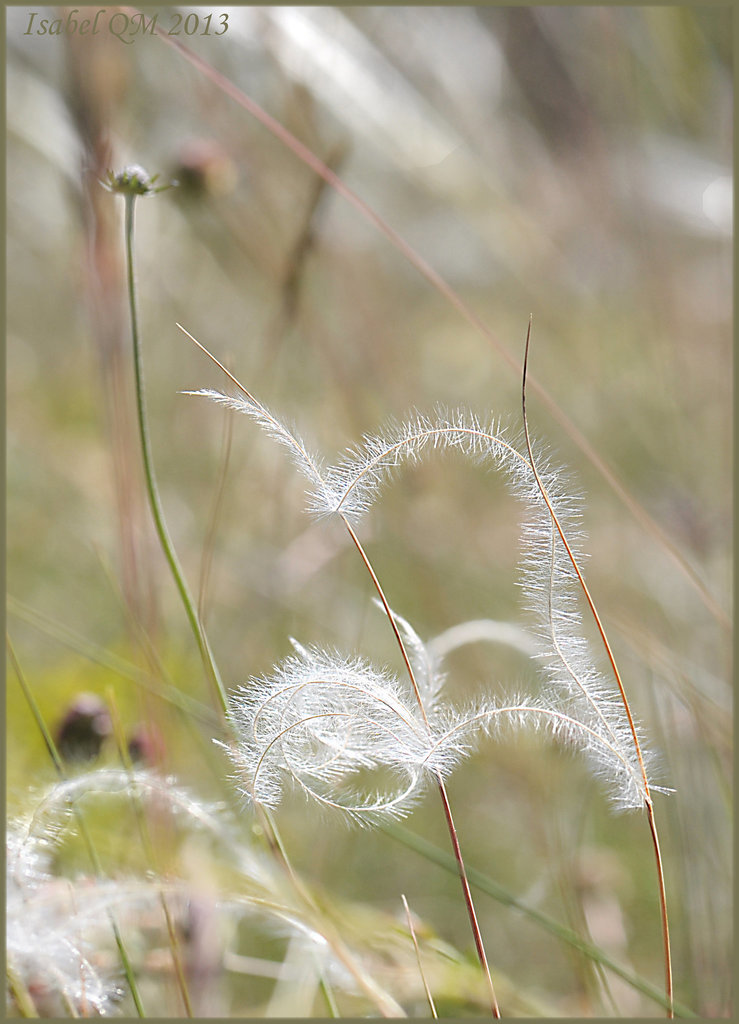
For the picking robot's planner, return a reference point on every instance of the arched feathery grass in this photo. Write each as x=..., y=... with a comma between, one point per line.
x=552, y=579
x=53, y=811
x=526, y=712
x=550, y=573
x=310, y=465
x=56, y=813
x=322, y=718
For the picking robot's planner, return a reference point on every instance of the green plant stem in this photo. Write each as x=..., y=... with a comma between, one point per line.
x=151, y=486
x=485, y=884
x=328, y=995
x=79, y=818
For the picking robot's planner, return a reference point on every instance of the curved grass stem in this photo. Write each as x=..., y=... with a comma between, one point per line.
x=663, y=910
x=148, y=462
x=617, y=675
x=469, y=902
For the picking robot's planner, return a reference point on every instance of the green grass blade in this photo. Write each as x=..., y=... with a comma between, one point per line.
x=499, y=893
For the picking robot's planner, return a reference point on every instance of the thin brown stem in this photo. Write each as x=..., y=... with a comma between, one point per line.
x=663, y=910
x=576, y=567
x=617, y=675
x=388, y=612
x=477, y=935
x=468, y=896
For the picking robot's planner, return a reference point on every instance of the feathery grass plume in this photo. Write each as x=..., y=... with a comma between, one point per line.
x=576, y=685
x=425, y=662
x=53, y=815
x=326, y=722
x=52, y=948
x=580, y=703
x=474, y=631
x=360, y=475
x=310, y=465
x=51, y=937
x=321, y=718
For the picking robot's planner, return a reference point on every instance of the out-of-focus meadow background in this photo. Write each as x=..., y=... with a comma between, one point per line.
x=570, y=163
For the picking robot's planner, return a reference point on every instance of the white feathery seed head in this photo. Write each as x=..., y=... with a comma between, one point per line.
x=323, y=720
x=583, y=705
x=310, y=465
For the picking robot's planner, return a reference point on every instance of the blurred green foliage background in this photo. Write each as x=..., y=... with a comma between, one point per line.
x=570, y=163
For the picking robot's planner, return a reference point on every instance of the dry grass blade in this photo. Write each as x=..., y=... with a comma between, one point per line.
x=412, y=930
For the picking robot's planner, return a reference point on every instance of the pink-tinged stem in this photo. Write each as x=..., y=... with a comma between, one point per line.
x=617, y=676
x=477, y=935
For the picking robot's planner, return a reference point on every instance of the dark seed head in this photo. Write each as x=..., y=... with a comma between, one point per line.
x=82, y=731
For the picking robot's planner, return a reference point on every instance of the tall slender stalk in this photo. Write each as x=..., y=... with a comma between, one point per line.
x=469, y=902
x=129, y=184
x=617, y=675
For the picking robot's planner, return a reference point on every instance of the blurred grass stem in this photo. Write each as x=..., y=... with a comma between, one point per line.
x=79, y=818
x=412, y=930
x=19, y=991
x=486, y=885
x=149, y=852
